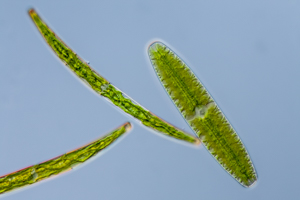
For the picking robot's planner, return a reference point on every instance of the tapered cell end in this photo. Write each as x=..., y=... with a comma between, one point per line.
x=197, y=142
x=153, y=45
x=251, y=183
x=127, y=126
x=31, y=11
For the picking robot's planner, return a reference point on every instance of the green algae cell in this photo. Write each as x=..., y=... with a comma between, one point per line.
x=60, y=164
x=202, y=113
x=104, y=88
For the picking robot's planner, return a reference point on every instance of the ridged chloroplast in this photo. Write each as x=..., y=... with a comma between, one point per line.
x=103, y=87
x=202, y=113
x=60, y=164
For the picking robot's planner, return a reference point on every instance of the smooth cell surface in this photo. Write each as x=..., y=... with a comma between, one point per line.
x=202, y=113
x=104, y=88
x=63, y=163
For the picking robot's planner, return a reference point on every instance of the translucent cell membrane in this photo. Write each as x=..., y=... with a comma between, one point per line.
x=202, y=113
x=104, y=88
x=60, y=164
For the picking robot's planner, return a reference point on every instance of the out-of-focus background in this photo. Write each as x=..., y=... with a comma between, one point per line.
x=246, y=53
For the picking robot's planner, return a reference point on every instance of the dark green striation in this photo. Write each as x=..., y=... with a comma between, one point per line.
x=103, y=87
x=202, y=114
x=63, y=163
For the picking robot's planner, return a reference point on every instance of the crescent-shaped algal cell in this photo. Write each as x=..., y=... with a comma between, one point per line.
x=101, y=86
x=202, y=113
x=60, y=164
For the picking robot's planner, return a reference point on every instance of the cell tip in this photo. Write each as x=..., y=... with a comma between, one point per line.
x=253, y=183
x=197, y=142
x=127, y=126
x=249, y=184
x=31, y=10
x=152, y=44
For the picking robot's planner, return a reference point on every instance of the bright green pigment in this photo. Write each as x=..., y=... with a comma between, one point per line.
x=202, y=113
x=103, y=87
x=55, y=166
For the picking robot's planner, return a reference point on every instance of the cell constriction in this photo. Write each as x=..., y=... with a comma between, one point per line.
x=101, y=86
x=60, y=164
x=202, y=113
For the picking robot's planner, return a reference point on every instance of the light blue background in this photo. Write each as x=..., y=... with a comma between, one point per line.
x=246, y=53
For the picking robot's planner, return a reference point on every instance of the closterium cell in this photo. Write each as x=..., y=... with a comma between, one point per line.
x=101, y=86
x=60, y=164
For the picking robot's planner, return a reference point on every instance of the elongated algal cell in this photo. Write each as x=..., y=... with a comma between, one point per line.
x=57, y=165
x=202, y=113
x=104, y=88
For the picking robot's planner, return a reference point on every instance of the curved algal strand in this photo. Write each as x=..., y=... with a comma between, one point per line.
x=103, y=87
x=202, y=113
x=57, y=165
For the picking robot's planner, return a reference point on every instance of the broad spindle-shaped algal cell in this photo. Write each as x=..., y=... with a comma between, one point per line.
x=60, y=164
x=202, y=113
x=104, y=88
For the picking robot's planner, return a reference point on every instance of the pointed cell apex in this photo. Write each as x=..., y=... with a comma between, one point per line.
x=197, y=142
x=153, y=44
x=252, y=184
x=128, y=126
x=31, y=10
